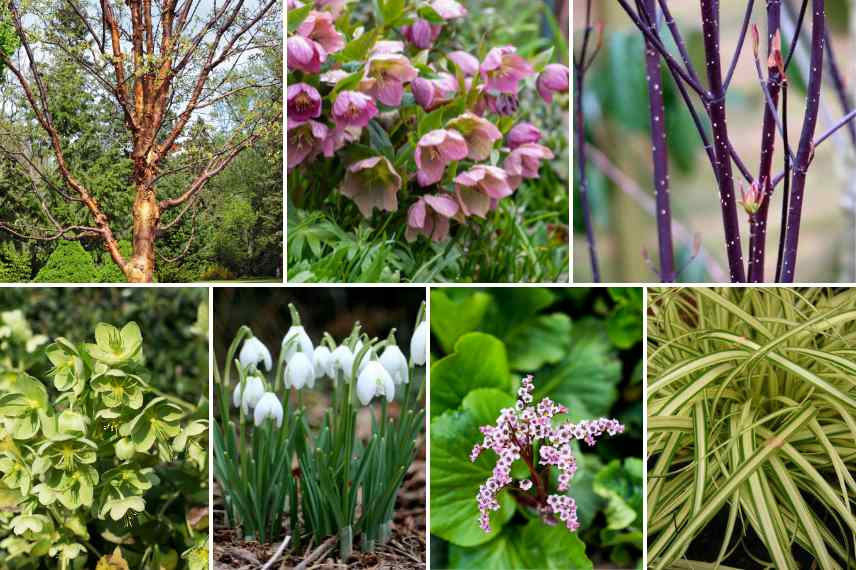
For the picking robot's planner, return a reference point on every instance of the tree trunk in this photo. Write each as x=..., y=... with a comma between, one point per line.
x=140, y=267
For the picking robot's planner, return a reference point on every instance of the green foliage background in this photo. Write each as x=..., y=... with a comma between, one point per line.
x=584, y=348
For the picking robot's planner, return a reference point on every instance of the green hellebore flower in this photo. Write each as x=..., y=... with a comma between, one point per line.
x=16, y=473
x=158, y=422
x=16, y=546
x=197, y=555
x=31, y=525
x=27, y=397
x=114, y=347
x=68, y=369
x=122, y=490
x=190, y=439
x=67, y=551
x=73, y=490
x=64, y=452
x=116, y=388
x=66, y=424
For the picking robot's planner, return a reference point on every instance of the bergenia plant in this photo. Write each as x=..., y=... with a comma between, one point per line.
x=272, y=463
x=416, y=132
x=527, y=433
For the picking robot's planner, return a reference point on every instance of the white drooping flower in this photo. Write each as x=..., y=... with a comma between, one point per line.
x=268, y=407
x=302, y=343
x=299, y=372
x=253, y=390
x=254, y=352
x=323, y=361
x=373, y=381
x=396, y=364
x=419, y=344
x=342, y=360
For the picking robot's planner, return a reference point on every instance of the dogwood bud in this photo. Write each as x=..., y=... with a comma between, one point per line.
x=268, y=407
x=396, y=364
x=299, y=372
x=374, y=380
x=254, y=352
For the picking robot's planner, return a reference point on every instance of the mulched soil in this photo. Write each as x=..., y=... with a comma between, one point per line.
x=404, y=550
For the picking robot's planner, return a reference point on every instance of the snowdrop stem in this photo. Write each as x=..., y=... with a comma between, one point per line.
x=295, y=316
x=420, y=315
x=243, y=333
x=329, y=341
x=391, y=336
x=281, y=364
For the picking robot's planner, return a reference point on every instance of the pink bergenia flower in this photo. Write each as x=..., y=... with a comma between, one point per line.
x=502, y=69
x=421, y=33
x=448, y=9
x=434, y=151
x=522, y=133
x=479, y=133
x=335, y=7
x=372, y=183
x=554, y=79
x=479, y=187
x=515, y=435
x=431, y=93
x=468, y=64
x=524, y=162
x=386, y=75
x=304, y=102
x=304, y=140
x=318, y=26
x=429, y=216
x=305, y=54
x=353, y=109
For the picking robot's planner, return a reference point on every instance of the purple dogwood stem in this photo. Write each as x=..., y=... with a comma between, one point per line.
x=838, y=85
x=758, y=222
x=805, y=150
x=659, y=149
x=716, y=108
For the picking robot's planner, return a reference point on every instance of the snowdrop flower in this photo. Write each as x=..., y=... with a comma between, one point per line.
x=268, y=407
x=253, y=390
x=342, y=360
x=323, y=361
x=374, y=381
x=254, y=352
x=419, y=344
x=302, y=344
x=396, y=364
x=300, y=372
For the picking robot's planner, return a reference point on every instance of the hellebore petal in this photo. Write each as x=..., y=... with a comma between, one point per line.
x=254, y=352
x=554, y=79
x=302, y=344
x=253, y=390
x=374, y=381
x=448, y=9
x=467, y=63
x=353, y=109
x=269, y=406
x=479, y=133
x=502, y=69
x=434, y=151
x=421, y=33
x=524, y=162
x=389, y=72
x=522, y=133
x=304, y=102
x=396, y=364
x=335, y=7
x=323, y=361
x=304, y=54
x=372, y=183
x=299, y=372
x=429, y=216
x=318, y=26
x=304, y=141
x=419, y=344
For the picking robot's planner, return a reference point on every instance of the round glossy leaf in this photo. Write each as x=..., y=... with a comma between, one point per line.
x=479, y=361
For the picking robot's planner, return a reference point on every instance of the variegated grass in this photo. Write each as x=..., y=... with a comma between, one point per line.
x=751, y=402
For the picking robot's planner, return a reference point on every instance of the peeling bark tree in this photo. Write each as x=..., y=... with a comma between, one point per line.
x=163, y=63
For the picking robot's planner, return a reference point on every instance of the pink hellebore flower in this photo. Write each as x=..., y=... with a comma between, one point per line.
x=387, y=46
x=522, y=133
x=524, y=162
x=429, y=216
x=434, y=151
x=502, y=69
x=292, y=4
x=353, y=109
x=338, y=137
x=480, y=187
x=318, y=26
x=304, y=140
x=448, y=9
x=304, y=102
x=554, y=78
x=387, y=73
x=335, y=7
x=372, y=183
x=479, y=133
x=421, y=33
x=468, y=64
x=431, y=93
x=305, y=54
